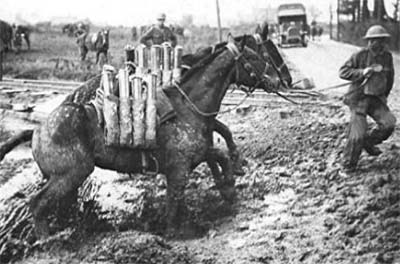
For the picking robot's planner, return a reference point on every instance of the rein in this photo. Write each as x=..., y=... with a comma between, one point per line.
x=207, y=114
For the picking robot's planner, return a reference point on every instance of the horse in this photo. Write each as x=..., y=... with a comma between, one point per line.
x=6, y=36
x=70, y=143
x=99, y=43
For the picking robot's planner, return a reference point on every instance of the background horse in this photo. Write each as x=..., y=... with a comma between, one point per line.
x=99, y=43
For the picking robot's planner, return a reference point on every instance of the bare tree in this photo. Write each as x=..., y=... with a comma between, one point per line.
x=379, y=12
x=365, y=11
x=314, y=12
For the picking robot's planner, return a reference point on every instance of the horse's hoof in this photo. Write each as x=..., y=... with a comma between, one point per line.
x=238, y=170
x=42, y=230
x=228, y=194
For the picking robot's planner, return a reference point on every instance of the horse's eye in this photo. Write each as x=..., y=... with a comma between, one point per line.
x=248, y=67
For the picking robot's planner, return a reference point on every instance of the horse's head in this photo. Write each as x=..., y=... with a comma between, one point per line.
x=276, y=68
x=251, y=68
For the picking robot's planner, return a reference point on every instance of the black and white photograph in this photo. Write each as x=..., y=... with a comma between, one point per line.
x=200, y=132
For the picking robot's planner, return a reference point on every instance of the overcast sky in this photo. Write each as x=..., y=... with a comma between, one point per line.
x=137, y=12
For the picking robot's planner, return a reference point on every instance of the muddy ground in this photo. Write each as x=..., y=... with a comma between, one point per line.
x=294, y=204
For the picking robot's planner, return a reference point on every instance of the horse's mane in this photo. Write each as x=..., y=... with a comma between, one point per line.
x=85, y=92
x=199, y=65
x=217, y=49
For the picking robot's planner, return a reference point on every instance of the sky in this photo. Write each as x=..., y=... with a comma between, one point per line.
x=139, y=12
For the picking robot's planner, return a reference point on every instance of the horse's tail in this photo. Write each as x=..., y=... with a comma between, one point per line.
x=14, y=141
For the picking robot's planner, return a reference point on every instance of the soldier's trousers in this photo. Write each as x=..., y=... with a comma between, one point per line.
x=83, y=50
x=358, y=134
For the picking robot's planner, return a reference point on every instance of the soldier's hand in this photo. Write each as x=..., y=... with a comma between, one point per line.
x=368, y=71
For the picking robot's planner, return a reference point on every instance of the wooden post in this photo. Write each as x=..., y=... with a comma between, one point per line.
x=151, y=112
x=176, y=73
x=125, y=114
x=338, y=21
x=167, y=60
x=1, y=63
x=330, y=22
x=219, y=22
x=110, y=109
x=138, y=113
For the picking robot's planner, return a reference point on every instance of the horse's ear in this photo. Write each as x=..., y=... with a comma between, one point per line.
x=188, y=59
x=243, y=42
x=231, y=39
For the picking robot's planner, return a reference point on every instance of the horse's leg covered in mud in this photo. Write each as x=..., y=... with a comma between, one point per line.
x=63, y=149
x=225, y=183
x=176, y=182
x=237, y=161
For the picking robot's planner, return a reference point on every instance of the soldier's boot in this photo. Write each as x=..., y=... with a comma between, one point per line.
x=237, y=163
x=355, y=141
x=377, y=136
x=372, y=150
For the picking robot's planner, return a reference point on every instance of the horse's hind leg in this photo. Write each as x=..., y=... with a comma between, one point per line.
x=225, y=184
x=52, y=195
x=176, y=182
x=224, y=131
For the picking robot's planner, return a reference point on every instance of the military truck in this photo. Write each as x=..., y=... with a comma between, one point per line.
x=293, y=28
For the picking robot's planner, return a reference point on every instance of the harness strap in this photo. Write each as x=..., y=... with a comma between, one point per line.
x=233, y=49
x=258, y=39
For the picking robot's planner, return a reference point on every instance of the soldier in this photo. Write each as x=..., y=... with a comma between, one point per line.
x=81, y=34
x=159, y=33
x=372, y=73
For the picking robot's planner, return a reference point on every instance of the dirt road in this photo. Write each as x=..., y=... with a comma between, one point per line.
x=294, y=204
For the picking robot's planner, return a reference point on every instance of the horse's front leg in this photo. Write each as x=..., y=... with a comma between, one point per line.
x=225, y=183
x=225, y=132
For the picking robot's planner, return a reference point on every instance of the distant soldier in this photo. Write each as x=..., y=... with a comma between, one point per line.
x=372, y=73
x=159, y=33
x=81, y=34
x=263, y=30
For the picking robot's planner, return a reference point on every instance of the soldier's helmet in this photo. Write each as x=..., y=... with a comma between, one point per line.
x=81, y=26
x=161, y=16
x=376, y=31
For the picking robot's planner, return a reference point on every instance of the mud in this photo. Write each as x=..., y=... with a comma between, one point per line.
x=293, y=205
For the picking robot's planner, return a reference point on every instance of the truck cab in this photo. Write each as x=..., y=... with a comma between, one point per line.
x=293, y=27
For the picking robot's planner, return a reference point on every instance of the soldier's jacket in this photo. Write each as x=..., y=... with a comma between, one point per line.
x=379, y=84
x=158, y=36
x=81, y=37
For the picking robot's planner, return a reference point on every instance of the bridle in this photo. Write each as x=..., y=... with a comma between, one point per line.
x=240, y=61
x=260, y=43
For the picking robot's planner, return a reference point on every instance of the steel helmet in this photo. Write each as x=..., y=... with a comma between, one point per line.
x=161, y=16
x=376, y=31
